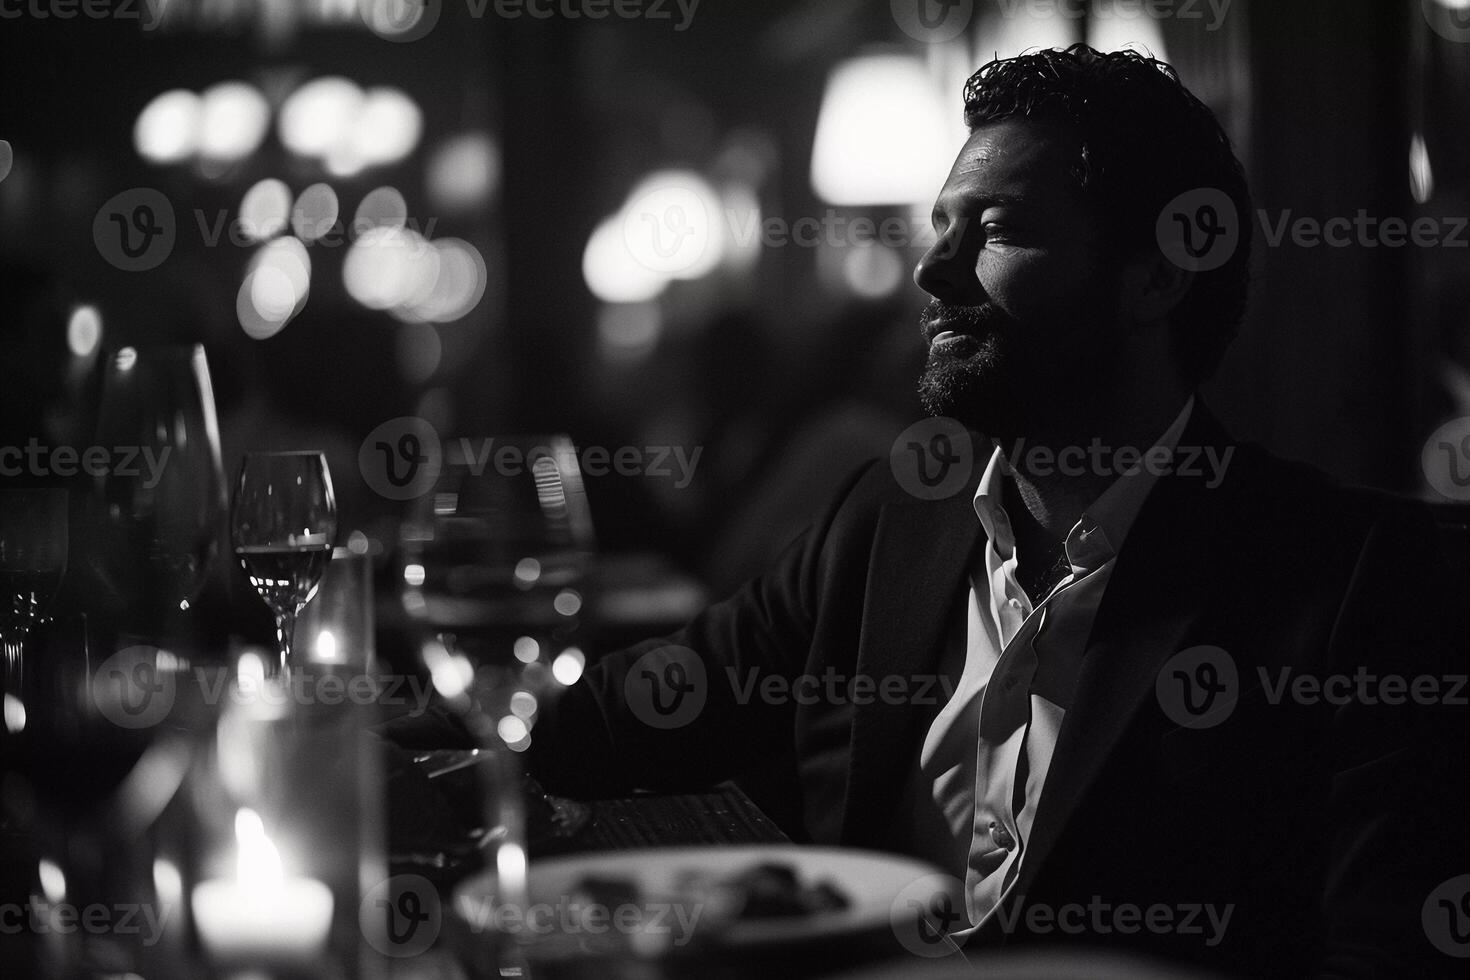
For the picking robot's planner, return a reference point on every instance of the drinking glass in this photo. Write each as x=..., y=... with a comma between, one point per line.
x=33, y=542
x=154, y=515
x=282, y=523
x=495, y=557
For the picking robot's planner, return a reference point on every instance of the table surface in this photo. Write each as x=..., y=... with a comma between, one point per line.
x=724, y=815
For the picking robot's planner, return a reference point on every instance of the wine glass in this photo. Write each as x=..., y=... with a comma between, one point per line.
x=33, y=543
x=495, y=560
x=283, y=522
x=496, y=555
x=154, y=516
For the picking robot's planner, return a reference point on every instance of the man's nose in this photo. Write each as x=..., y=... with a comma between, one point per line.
x=942, y=274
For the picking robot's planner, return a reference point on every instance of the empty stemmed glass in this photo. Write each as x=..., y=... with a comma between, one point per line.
x=282, y=524
x=495, y=556
x=153, y=520
x=33, y=543
x=495, y=559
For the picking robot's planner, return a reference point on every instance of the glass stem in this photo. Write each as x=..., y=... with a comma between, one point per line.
x=285, y=629
x=14, y=667
x=13, y=645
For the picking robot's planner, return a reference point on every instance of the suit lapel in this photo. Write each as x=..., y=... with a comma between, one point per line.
x=921, y=554
x=1160, y=587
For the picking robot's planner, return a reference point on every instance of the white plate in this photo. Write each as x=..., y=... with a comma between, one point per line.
x=870, y=881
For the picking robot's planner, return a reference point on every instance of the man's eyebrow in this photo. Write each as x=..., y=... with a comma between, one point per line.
x=978, y=203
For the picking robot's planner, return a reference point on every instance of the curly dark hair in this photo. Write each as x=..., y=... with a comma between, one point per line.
x=1145, y=140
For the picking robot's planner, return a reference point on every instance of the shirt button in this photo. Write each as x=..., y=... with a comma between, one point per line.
x=1001, y=837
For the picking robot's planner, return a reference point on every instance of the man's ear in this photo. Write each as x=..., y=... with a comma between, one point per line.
x=1153, y=286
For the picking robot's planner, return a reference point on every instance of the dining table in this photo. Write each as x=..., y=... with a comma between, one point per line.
x=658, y=825
x=650, y=824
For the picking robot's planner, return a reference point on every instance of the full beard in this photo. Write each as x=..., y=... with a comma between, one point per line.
x=970, y=379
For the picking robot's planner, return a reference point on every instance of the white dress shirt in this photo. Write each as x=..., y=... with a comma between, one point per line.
x=961, y=808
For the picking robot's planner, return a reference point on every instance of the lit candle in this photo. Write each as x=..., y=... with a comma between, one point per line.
x=261, y=914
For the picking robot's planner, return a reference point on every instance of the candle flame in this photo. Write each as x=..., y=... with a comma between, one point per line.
x=259, y=863
x=326, y=646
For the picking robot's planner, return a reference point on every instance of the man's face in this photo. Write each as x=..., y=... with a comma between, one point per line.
x=1024, y=319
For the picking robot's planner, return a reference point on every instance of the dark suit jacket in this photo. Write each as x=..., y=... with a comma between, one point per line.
x=1325, y=826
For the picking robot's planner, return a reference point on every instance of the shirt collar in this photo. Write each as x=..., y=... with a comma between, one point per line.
x=1100, y=531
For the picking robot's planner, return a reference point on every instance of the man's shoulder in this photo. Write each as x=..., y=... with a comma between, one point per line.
x=1291, y=491
x=885, y=481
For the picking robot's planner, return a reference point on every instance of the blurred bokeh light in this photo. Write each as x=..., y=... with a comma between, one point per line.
x=275, y=288
x=265, y=210
x=883, y=133
x=234, y=118
x=168, y=128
